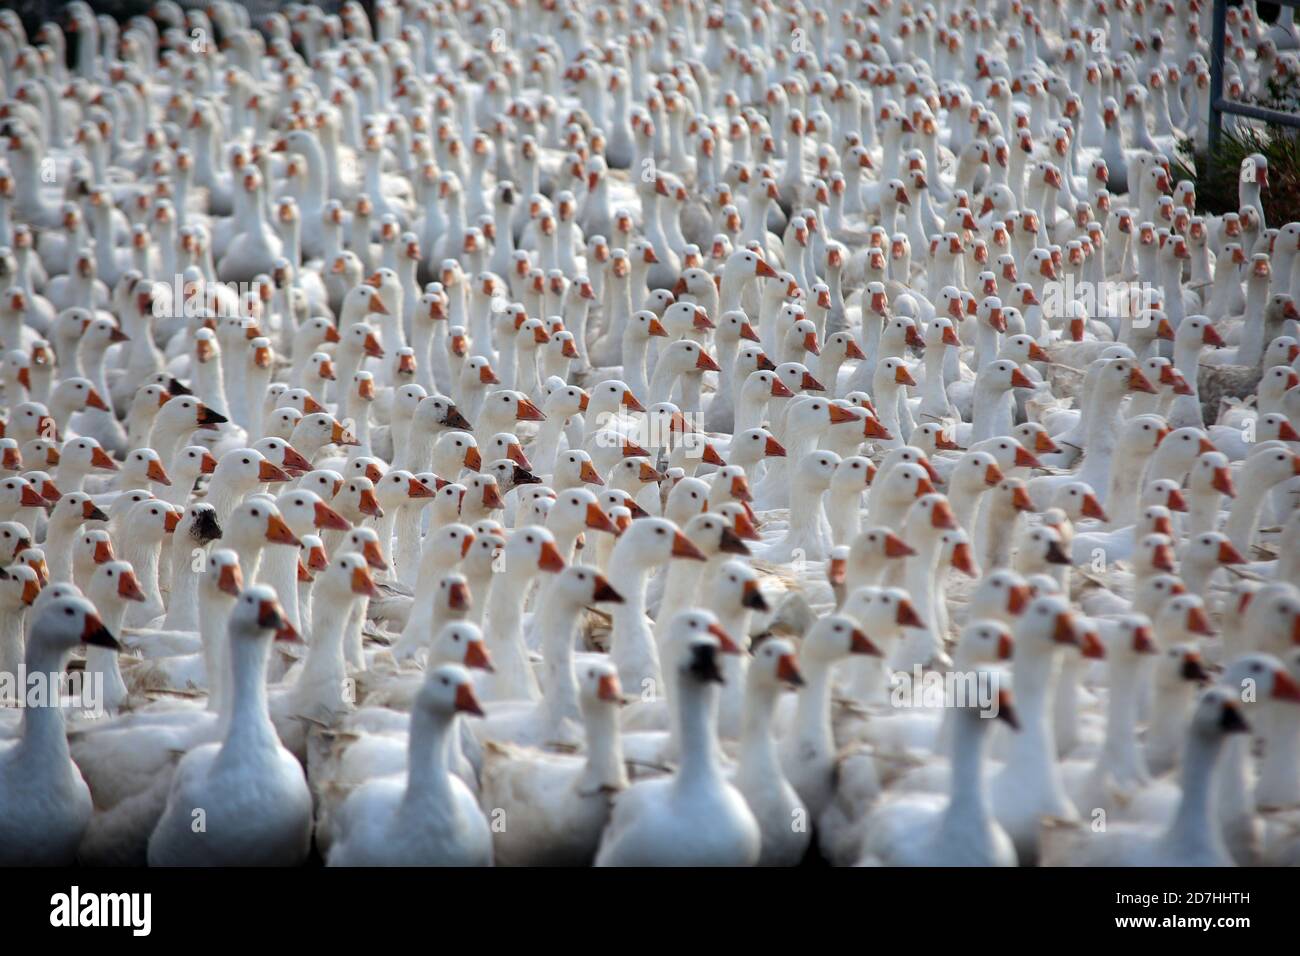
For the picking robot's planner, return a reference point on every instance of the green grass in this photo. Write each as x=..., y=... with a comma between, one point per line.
x=1216, y=192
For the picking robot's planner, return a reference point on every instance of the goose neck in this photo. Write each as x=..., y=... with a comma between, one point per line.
x=758, y=751
x=604, y=767
x=699, y=742
x=1194, y=823
x=813, y=707
x=1120, y=755
x=557, y=620
x=11, y=641
x=250, y=726
x=969, y=803
x=325, y=668
x=43, y=730
x=428, y=784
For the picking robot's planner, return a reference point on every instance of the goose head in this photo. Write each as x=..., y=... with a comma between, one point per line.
x=1078, y=501
x=112, y=584
x=1034, y=438
x=1040, y=547
x=814, y=472
x=579, y=585
x=80, y=456
x=182, y=414
x=955, y=552
x=834, y=637
x=283, y=455
x=36, y=453
x=399, y=487
x=686, y=498
x=304, y=510
x=976, y=472
x=356, y=499
x=241, y=470
x=448, y=690
x=346, y=579
x=775, y=666
x=67, y=621
x=713, y=534
x=198, y=524
x=258, y=616
x=506, y=445
x=19, y=588
x=1259, y=678
x=142, y=466
x=1048, y=625
x=577, y=510
x=983, y=641
x=882, y=611
x=510, y=475
x=609, y=398
x=1269, y=466
x=532, y=549
x=91, y=548
x=1210, y=549
x=1273, y=615
x=449, y=544
x=505, y=406
x=1179, y=666
x=460, y=642
x=1001, y=595
x=455, y=451
x=17, y=493
x=796, y=378
x=150, y=521
x=76, y=394
x=256, y=523
x=650, y=542
x=72, y=509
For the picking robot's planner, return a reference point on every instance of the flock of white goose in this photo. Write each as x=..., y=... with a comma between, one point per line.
x=557, y=431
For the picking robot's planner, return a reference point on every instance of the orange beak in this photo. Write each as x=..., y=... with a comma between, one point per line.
x=363, y=583
x=550, y=559
x=128, y=587
x=277, y=532
x=369, y=504
x=1163, y=558
x=269, y=472
x=1024, y=459
x=705, y=363
x=962, y=560
x=528, y=412
x=1020, y=380
x=1092, y=508
x=1229, y=555
x=1137, y=382
x=99, y=459
x=492, y=498
x=1198, y=622
x=942, y=516
x=683, y=548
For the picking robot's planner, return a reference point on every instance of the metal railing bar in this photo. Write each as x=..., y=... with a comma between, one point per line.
x=1220, y=104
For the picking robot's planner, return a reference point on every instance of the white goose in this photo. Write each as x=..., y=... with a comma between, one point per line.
x=693, y=817
x=430, y=818
x=251, y=792
x=46, y=803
